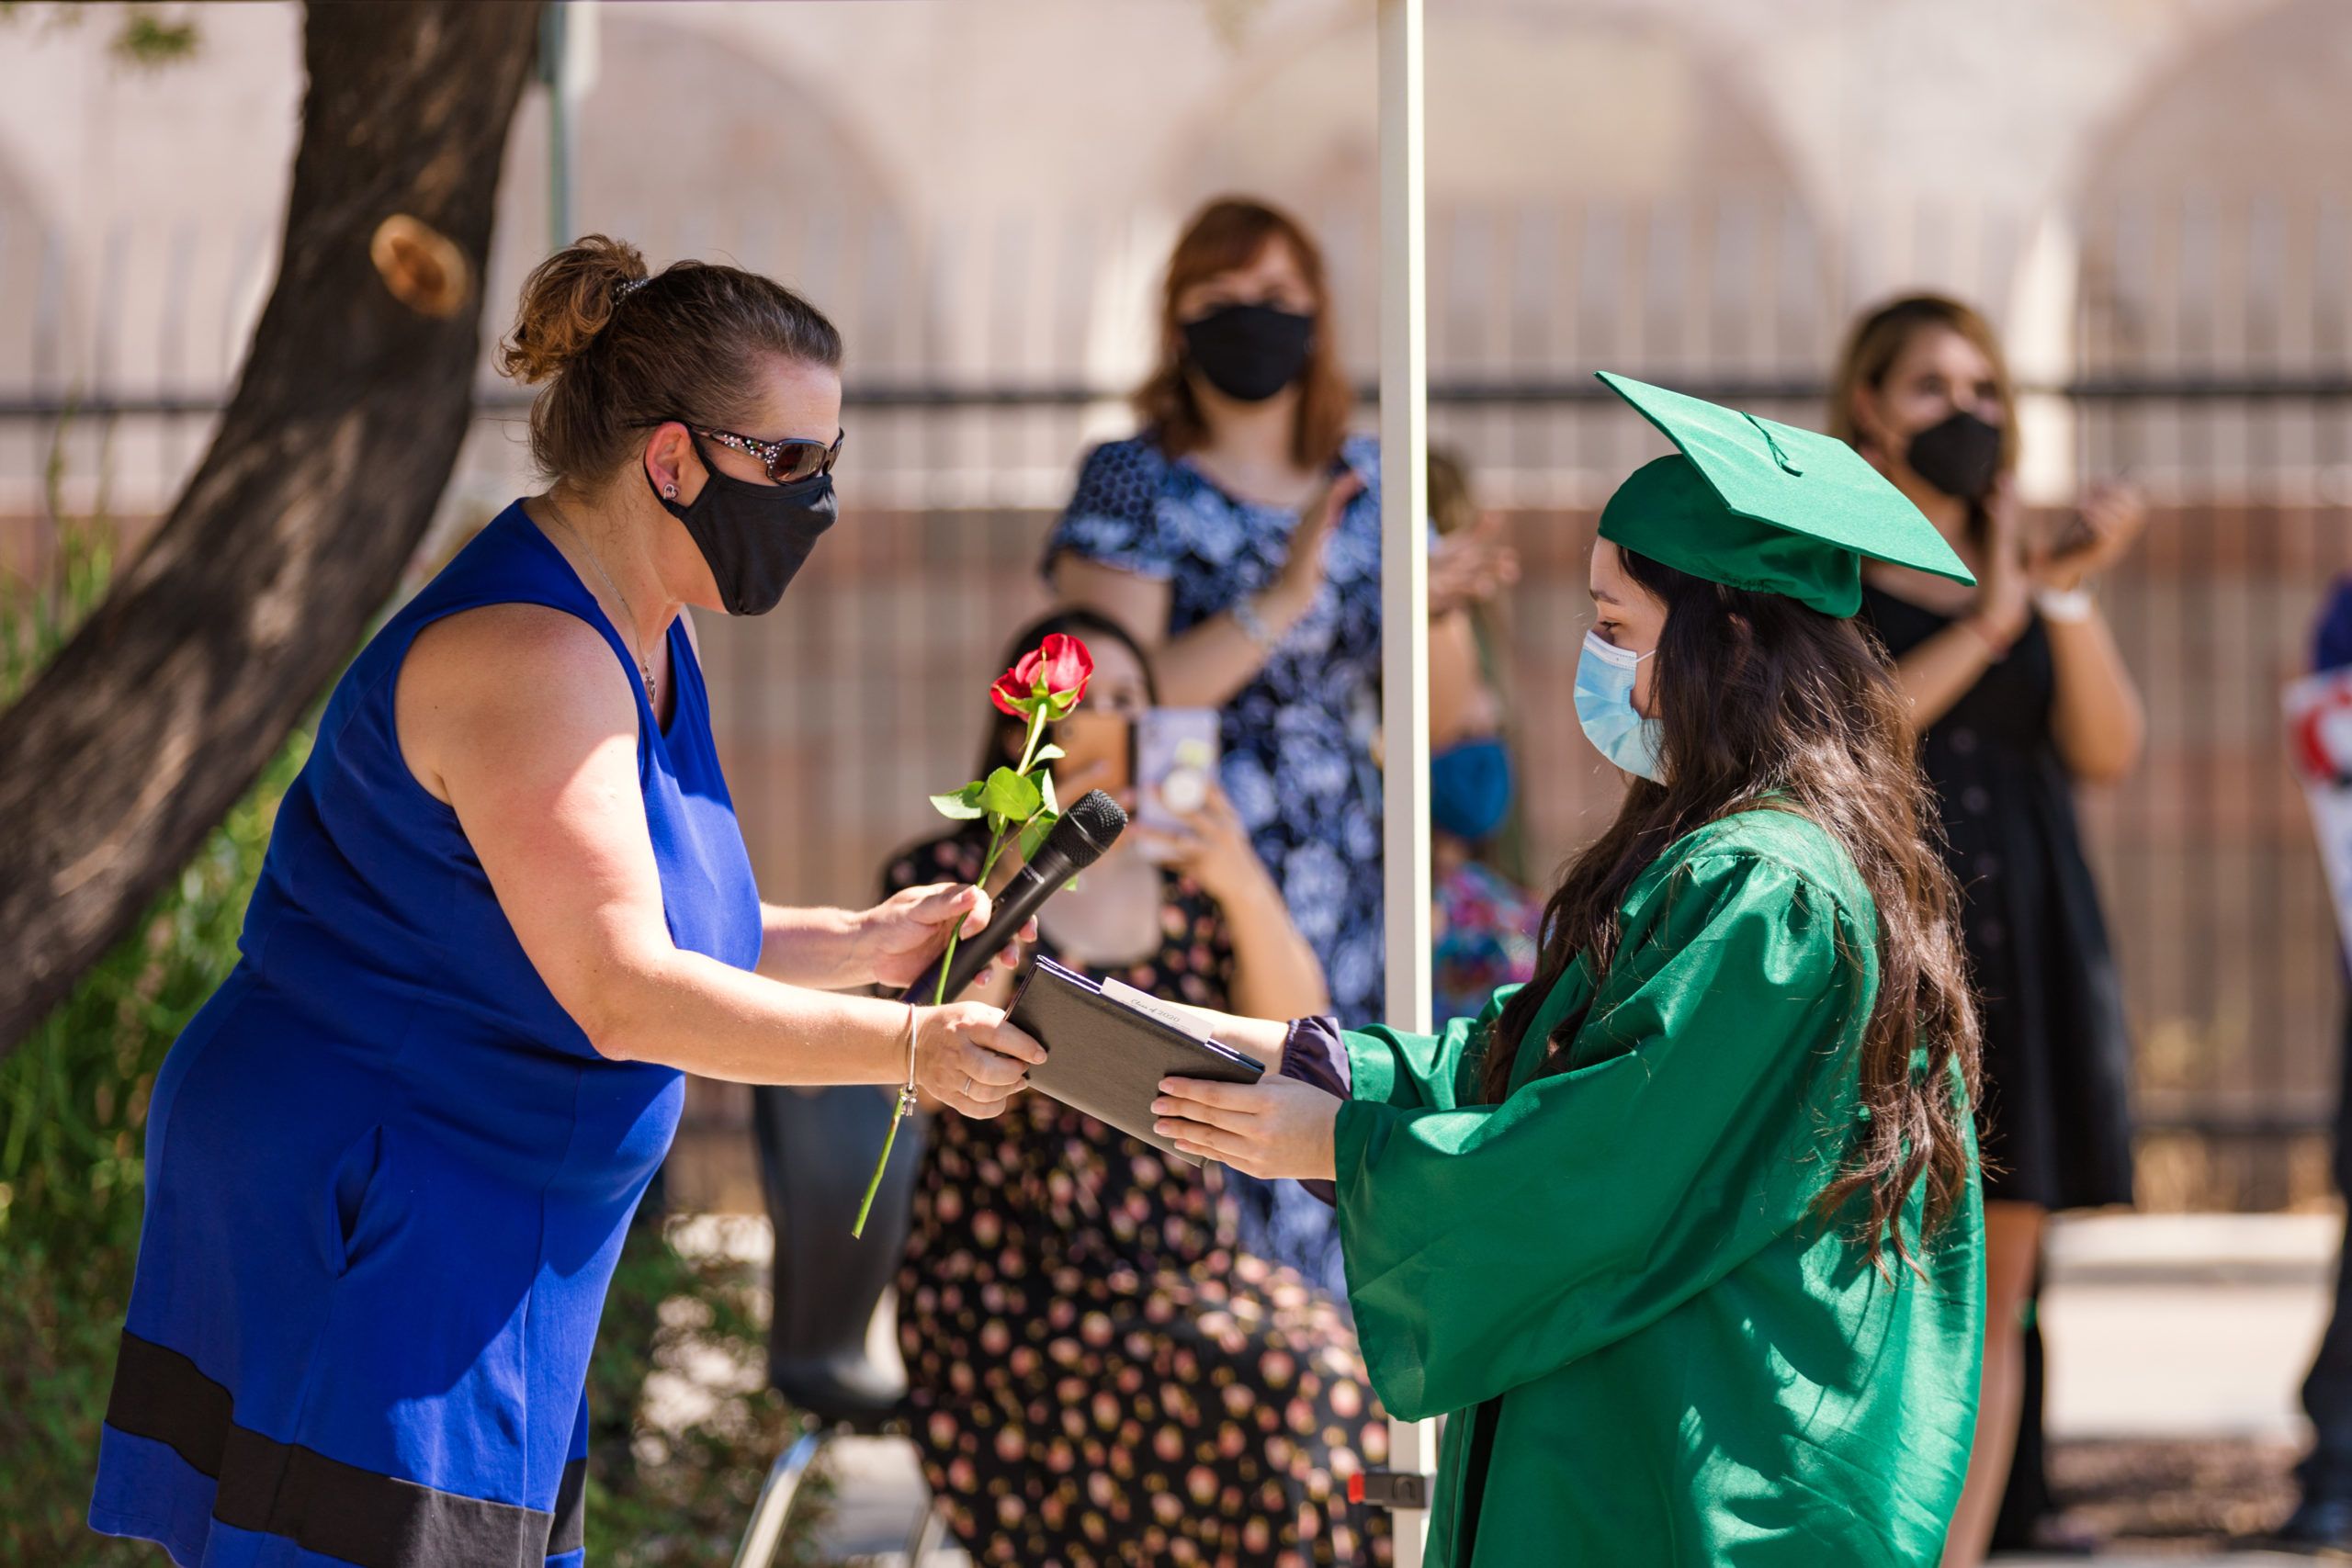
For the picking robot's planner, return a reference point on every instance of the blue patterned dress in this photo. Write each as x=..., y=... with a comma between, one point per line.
x=1297, y=756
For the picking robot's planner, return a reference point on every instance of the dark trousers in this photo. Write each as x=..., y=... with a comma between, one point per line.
x=2328, y=1392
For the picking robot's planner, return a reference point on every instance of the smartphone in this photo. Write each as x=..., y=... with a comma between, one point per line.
x=2064, y=538
x=1176, y=758
x=2074, y=531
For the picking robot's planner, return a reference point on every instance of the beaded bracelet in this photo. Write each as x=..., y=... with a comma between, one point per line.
x=907, y=1095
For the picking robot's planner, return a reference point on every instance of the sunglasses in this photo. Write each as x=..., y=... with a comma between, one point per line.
x=787, y=462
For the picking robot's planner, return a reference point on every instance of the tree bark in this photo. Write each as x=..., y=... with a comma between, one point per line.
x=346, y=423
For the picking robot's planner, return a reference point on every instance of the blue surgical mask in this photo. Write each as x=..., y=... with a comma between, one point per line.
x=1605, y=708
x=1470, y=787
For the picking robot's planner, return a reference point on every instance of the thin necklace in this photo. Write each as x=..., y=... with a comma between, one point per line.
x=644, y=665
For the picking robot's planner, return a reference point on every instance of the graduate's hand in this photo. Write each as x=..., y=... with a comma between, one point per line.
x=898, y=939
x=1274, y=1127
x=970, y=1058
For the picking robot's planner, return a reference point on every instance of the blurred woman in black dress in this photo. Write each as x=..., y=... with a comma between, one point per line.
x=2020, y=694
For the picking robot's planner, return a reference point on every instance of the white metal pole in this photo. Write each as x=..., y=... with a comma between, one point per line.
x=568, y=62
x=1404, y=595
x=553, y=48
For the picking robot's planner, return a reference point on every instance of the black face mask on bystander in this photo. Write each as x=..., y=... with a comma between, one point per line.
x=755, y=537
x=1960, y=456
x=1249, y=351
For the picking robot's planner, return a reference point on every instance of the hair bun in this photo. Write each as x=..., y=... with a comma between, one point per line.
x=566, y=303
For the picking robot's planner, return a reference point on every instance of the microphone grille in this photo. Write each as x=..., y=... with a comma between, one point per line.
x=1087, y=828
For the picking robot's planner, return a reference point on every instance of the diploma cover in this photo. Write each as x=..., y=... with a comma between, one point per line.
x=1105, y=1055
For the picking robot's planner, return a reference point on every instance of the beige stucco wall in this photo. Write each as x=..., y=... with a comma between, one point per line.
x=986, y=190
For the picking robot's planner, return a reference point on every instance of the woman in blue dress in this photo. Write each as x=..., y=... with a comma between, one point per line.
x=505, y=905
x=1239, y=536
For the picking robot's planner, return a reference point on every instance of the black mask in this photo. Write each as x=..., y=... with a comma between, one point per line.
x=1960, y=457
x=753, y=537
x=1249, y=351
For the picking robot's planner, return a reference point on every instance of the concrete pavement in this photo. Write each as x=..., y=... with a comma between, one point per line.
x=2159, y=1326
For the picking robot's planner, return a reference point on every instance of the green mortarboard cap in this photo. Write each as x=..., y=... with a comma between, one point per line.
x=1754, y=503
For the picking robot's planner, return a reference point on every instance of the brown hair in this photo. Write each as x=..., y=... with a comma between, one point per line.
x=1878, y=339
x=684, y=343
x=1766, y=704
x=1450, y=506
x=1230, y=233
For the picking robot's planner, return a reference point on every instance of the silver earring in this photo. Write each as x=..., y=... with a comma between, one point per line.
x=670, y=491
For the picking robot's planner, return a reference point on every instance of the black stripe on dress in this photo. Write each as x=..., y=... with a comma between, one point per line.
x=571, y=1531
x=323, y=1504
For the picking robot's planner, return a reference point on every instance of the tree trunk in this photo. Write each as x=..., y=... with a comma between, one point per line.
x=184, y=682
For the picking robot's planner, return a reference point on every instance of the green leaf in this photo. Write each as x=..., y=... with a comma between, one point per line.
x=149, y=38
x=1010, y=796
x=1050, y=753
x=964, y=806
x=1035, y=833
x=1046, y=792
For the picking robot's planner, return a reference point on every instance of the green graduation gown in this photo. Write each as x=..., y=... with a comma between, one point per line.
x=1617, y=1270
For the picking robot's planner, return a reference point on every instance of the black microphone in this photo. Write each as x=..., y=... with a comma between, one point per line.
x=1075, y=842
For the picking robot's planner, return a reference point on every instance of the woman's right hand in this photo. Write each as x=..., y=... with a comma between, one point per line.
x=2005, y=581
x=899, y=938
x=971, y=1058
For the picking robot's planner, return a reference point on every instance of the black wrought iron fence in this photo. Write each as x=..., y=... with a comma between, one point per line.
x=842, y=712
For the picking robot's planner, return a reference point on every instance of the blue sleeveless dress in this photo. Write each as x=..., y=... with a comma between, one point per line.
x=387, y=1175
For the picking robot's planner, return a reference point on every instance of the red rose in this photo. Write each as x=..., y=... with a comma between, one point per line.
x=1067, y=667
x=1056, y=671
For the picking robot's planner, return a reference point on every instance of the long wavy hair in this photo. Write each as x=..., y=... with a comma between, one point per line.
x=1229, y=233
x=1766, y=704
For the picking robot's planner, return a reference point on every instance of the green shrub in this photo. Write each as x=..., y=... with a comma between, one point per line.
x=671, y=1494
x=73, y=1113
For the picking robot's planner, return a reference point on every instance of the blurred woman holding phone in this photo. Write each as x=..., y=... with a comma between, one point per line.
x=1055, y=1262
